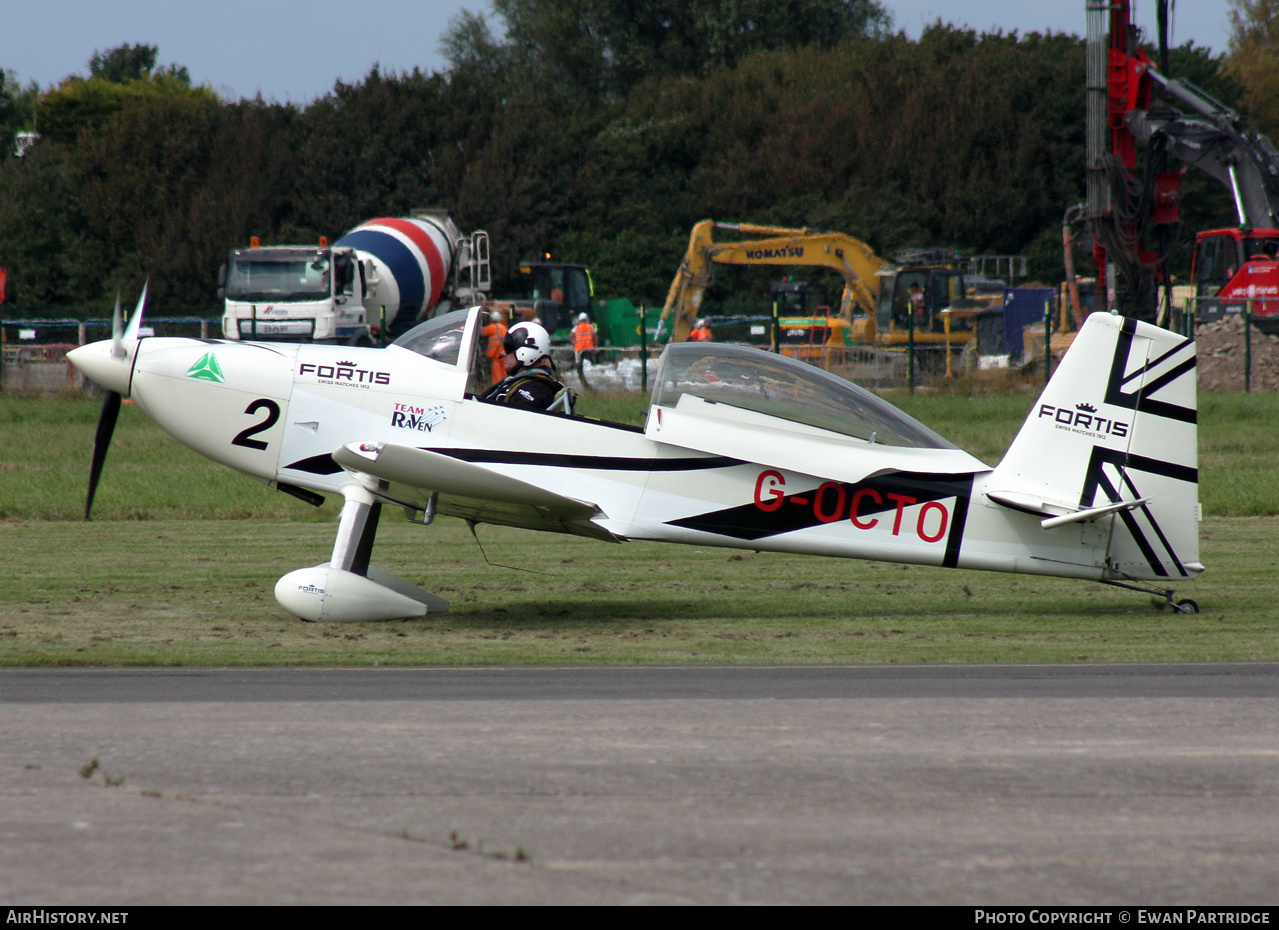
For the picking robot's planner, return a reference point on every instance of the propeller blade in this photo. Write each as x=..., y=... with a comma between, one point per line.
x=135, y=321
x=111, y=399
x=102, y=442
x=117, y=330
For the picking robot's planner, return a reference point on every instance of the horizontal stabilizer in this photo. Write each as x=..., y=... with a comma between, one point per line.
x=1092, y=513
x=1055, y=513
x=1028, y=503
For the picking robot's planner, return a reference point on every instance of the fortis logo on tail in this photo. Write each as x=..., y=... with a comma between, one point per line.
x=1083, y=419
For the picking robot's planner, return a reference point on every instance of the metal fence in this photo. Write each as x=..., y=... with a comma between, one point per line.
x=33, y=352
x=79, y=332
x=1235, y=353
x=38, y=364
x=38, y=369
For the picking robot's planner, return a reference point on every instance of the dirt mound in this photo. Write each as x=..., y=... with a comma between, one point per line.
x=1221, y=357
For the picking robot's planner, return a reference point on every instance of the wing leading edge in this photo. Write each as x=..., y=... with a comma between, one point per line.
x=410, y=476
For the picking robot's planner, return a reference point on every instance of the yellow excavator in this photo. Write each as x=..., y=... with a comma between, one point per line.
x=878, y=301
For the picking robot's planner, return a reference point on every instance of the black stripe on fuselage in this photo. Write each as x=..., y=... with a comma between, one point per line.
x=588, y=462
x=801, y=510
x=324, y=464
x=317, y=465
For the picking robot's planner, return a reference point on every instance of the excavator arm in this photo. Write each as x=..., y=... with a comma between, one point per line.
x=1189, y=125
x=852, y=259
x=1218, y=141
x=1234, y=269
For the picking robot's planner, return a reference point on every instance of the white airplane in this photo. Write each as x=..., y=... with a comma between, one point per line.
x=742, y=448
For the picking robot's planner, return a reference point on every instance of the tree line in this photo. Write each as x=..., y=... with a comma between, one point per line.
x=599, y=137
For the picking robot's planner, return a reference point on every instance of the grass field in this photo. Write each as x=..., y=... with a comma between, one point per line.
x=179, y=565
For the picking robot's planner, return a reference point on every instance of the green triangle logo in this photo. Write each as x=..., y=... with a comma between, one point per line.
x=206, y=369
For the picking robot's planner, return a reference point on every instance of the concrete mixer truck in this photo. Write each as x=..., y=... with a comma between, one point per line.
x=375, y=282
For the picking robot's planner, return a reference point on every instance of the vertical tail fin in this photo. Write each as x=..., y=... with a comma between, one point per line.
x=1113, y=439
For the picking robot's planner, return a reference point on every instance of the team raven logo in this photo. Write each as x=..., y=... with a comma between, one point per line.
x=421, y=419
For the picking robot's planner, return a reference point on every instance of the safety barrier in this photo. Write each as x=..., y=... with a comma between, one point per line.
x=42, y=368
x=33, y=352
x=37, y=369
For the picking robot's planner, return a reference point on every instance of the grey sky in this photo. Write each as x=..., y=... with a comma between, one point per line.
x=294, y=51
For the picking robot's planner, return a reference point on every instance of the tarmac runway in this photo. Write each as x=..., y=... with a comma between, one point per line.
x=980, y=785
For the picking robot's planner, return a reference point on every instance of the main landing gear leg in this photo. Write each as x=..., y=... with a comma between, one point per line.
x=357, y=529
x=347, y=587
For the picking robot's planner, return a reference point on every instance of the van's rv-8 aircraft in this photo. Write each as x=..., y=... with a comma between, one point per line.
x=742, y=448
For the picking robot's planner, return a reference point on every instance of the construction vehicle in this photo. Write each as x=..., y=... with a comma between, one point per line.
x=943, y=309
x=375, y=282
x=558, y=292
x=554, y=295
x=805, y=325
x=1234, y=268
x=876, y=306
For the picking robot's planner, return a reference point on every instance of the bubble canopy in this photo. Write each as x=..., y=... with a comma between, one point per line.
x=782, y=387
x=440, y=338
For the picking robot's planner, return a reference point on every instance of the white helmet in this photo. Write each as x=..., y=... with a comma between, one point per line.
x=528, y=342
x=497, y=316
x=583, y=318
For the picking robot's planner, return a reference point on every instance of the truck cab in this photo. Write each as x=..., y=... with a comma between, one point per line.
x=293, y=294
x=1236, y=269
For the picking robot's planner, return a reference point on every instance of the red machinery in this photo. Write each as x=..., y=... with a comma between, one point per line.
x=1133, y=216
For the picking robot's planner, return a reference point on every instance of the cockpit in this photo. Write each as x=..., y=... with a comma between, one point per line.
x=452, y=339
x=735, y=376
x=457, y=340
x=782, y=387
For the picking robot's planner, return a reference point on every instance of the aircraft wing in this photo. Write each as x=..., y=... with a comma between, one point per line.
x=467, y=490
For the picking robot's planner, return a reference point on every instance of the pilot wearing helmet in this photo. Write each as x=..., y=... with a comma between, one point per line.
x=530, y=381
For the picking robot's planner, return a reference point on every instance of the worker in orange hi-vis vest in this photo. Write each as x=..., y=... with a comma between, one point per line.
x=583, y=336
x=701, y=332
x=495, y=331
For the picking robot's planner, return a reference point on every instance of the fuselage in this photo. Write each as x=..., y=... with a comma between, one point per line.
x=713, y=475
x=741, y=448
